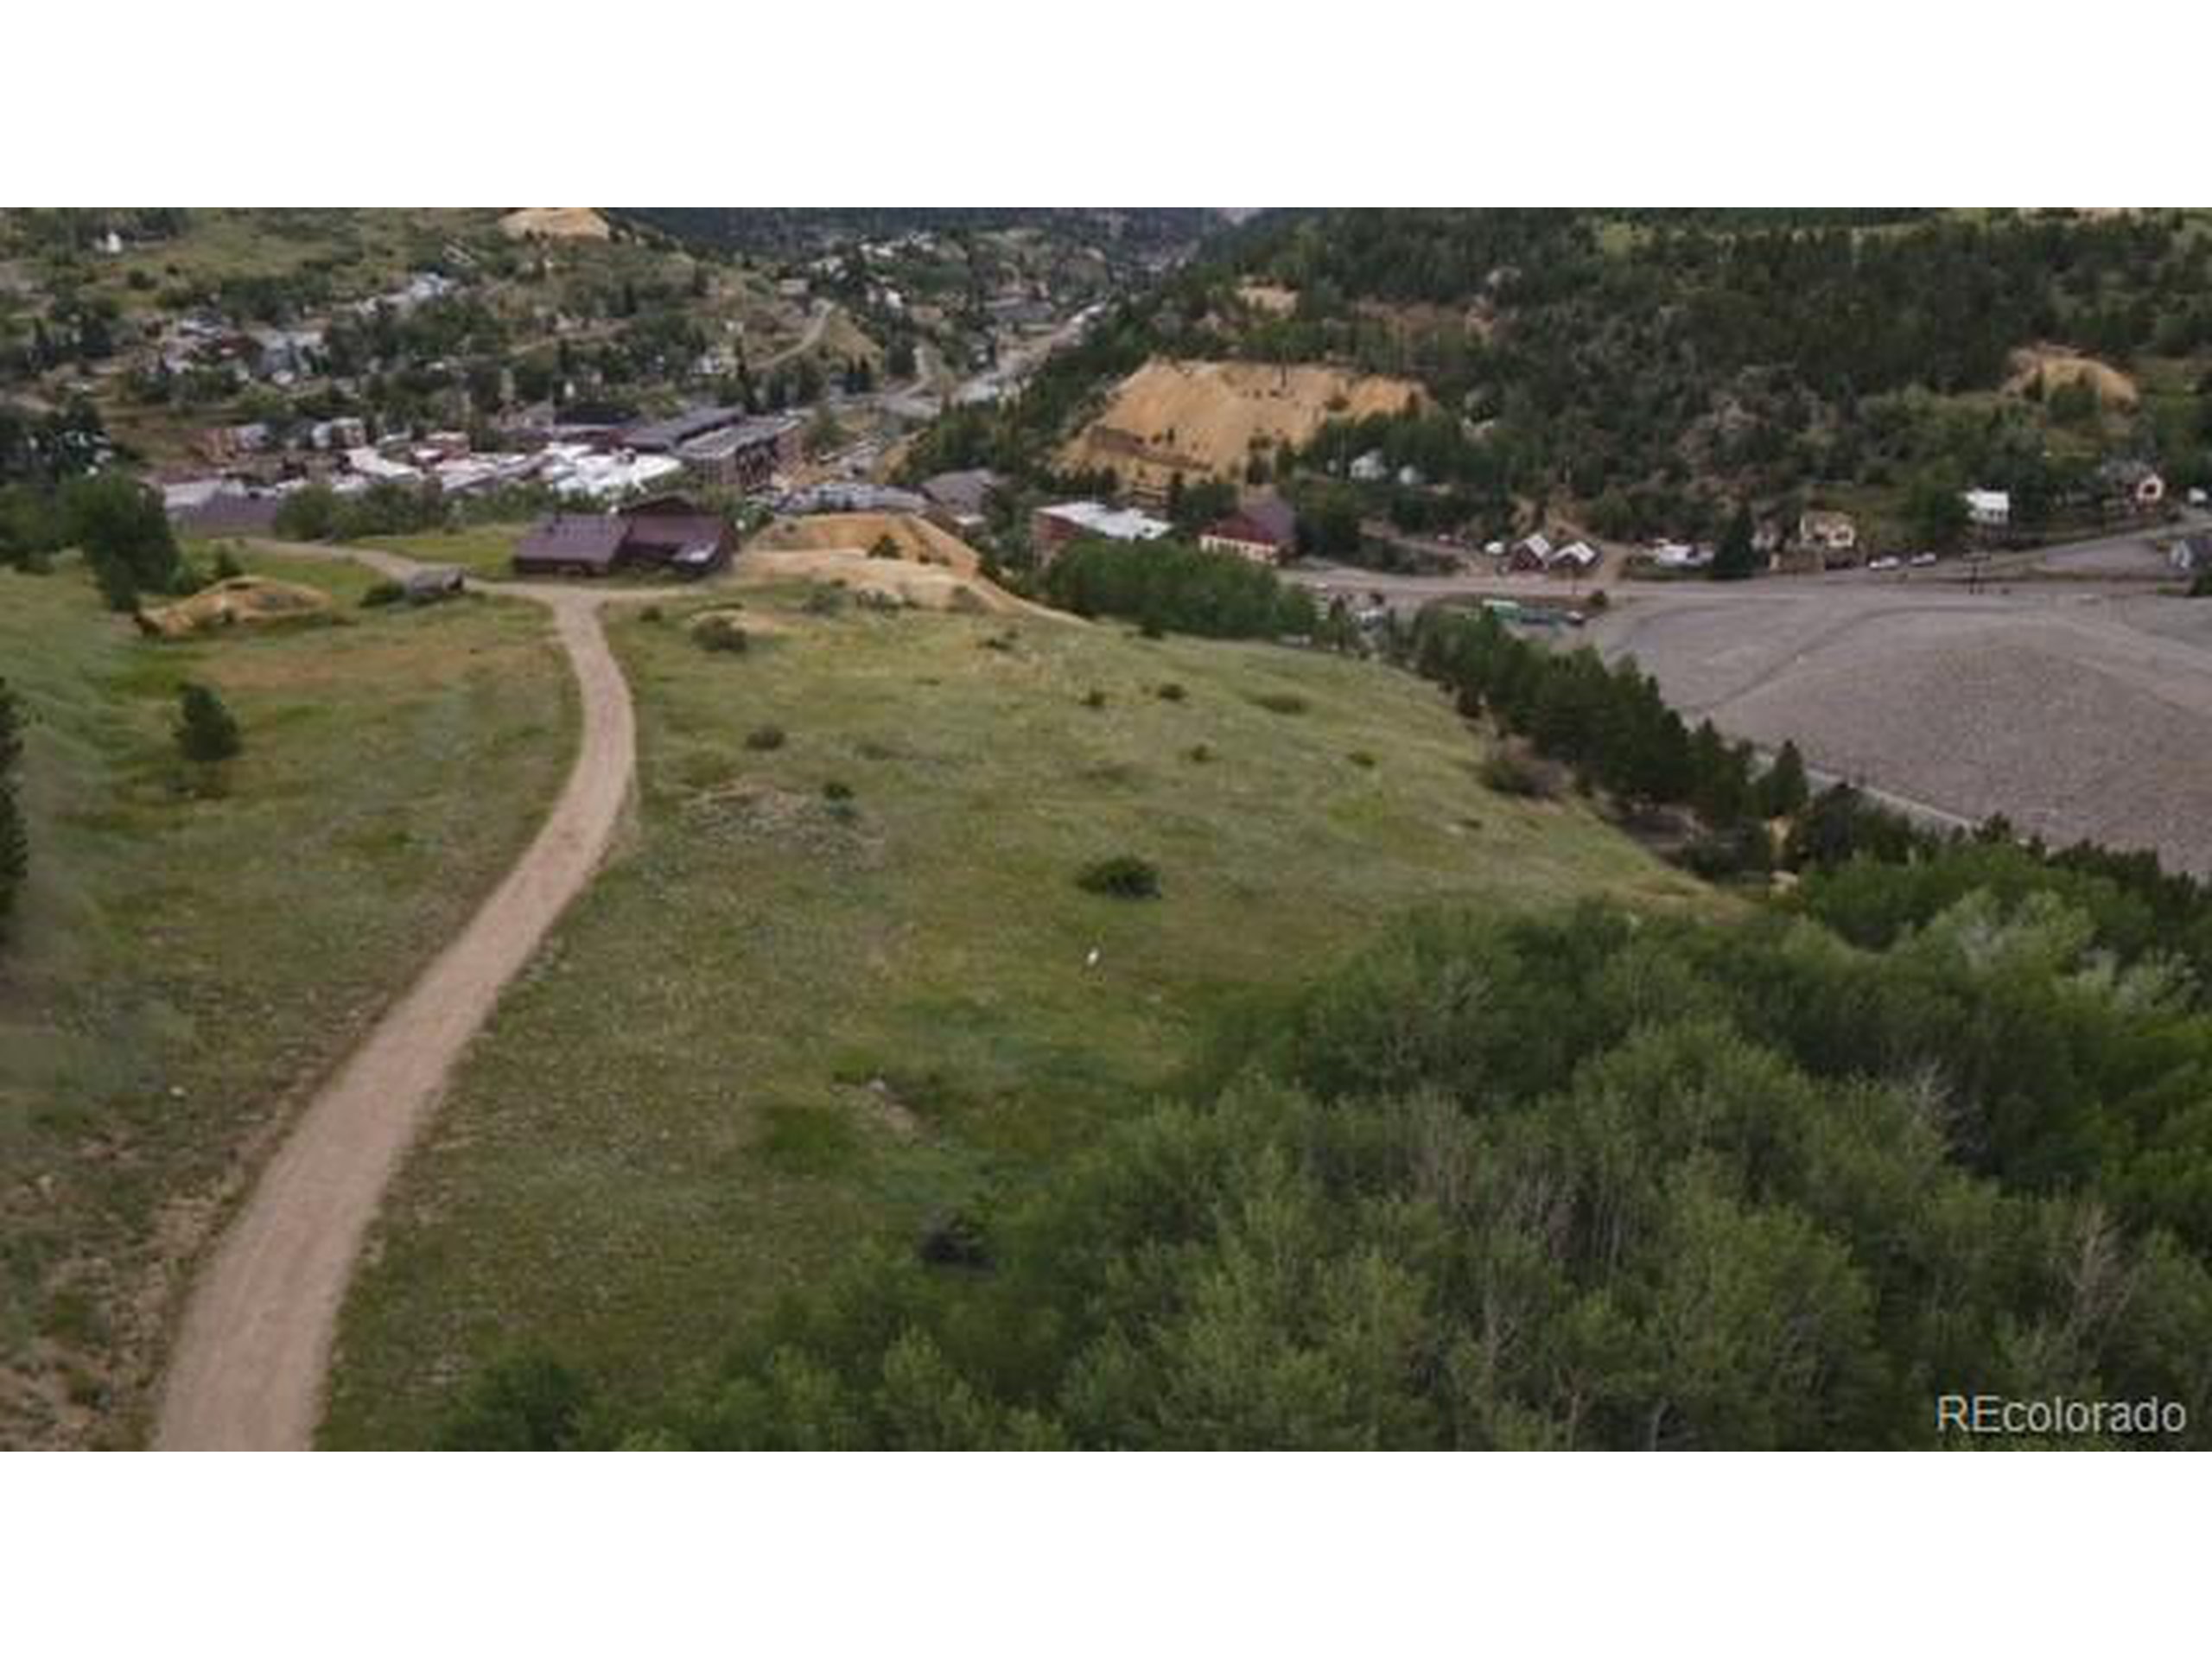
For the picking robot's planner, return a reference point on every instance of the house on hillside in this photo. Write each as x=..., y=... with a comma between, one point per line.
x=1052, y=528
x=1988, y=509
x=2133, y=486
x=1531, y=553
x=1264, y=530
x=1831, y=536
x=960, y=501
x=1576, y=558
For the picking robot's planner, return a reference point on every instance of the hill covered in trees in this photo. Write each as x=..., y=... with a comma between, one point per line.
x=1648, y=371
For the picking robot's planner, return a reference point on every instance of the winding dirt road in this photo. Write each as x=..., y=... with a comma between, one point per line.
x=248, y=1367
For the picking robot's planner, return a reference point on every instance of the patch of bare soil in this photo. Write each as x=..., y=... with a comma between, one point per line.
x=1203, y=419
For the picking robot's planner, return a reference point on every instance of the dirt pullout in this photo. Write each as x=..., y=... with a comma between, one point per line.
x=899, y=581
x=1202, y=418
x=2058, y=365
x=250, y=1363
x=916, y=540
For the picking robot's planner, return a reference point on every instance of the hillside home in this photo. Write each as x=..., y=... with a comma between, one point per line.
x=1827, y=533
x=1263, y=529
x=2133, y=486
x=959, y=501
x=1989, y=509
x=1533, y=552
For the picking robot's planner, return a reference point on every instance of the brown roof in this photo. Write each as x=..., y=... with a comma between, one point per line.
x=656, y=530
x=1268, y=520
x=573, y=538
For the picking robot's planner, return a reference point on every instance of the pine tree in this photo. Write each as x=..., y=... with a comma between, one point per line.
x=205, y=730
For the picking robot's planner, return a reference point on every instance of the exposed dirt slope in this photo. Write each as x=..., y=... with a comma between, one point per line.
x=1201, y=418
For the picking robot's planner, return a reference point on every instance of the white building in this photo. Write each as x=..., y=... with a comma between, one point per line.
x=1989, y=509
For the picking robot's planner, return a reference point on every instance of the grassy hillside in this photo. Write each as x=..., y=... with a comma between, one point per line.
x=844, y=984
x=191, y=957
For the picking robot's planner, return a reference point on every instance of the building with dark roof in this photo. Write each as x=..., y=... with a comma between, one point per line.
x=665, y=436
x=667, y=534
x=571, y=544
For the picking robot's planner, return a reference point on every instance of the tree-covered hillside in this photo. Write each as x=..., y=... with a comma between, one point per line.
x=1642, y=360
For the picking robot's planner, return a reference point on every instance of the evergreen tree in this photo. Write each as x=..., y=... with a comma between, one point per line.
x=205, y=730
x=1736, y=558
x=1782, y=791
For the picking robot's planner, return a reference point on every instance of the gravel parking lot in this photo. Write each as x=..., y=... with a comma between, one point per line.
x=2076, y=714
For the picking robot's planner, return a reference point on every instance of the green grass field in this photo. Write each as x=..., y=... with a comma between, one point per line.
x=486, y=551
x=189, y=959
x=839, y=985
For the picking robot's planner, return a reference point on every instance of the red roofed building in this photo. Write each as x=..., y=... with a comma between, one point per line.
x=1264, y=530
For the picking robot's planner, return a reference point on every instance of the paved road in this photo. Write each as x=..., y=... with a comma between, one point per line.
x=250, y=1363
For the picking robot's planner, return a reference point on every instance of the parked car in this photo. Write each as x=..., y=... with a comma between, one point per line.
x=1924, y=559
x=1887, y=562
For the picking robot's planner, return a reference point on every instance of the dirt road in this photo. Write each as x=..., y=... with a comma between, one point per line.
x=248, y=1367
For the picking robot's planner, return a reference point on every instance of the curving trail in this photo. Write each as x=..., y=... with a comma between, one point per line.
x=248, y=1367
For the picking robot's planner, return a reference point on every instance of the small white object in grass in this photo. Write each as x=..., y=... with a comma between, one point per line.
x=1091, y=961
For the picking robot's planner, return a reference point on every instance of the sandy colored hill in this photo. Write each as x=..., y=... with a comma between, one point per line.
x=2060, y=367
x=1201, y=418
x=240, y=598
x=563, y=223
x=918, y=540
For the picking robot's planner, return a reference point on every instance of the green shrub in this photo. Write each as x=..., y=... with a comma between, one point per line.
x=1170, y=584
x=1199, y=754
x=530, y=1403
x=205, y=730
x=765, y=738
x=1362, y=759
x=1121, y=876
x=1510, y=775
x=1170, y=692
x=824, y=599
x=1281, y=702
x=380, y=594
x=715, y=631
x=1094, y=698
x=837, y=790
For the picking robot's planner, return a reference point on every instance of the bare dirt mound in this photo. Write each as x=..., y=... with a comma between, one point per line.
x=2056, y=367
x=235, y=600
x=918, y=540
x=560, y=224
x=1205, y=419
x=892, y=581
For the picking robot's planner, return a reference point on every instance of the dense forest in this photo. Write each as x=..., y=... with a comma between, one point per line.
x=1638, y=362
